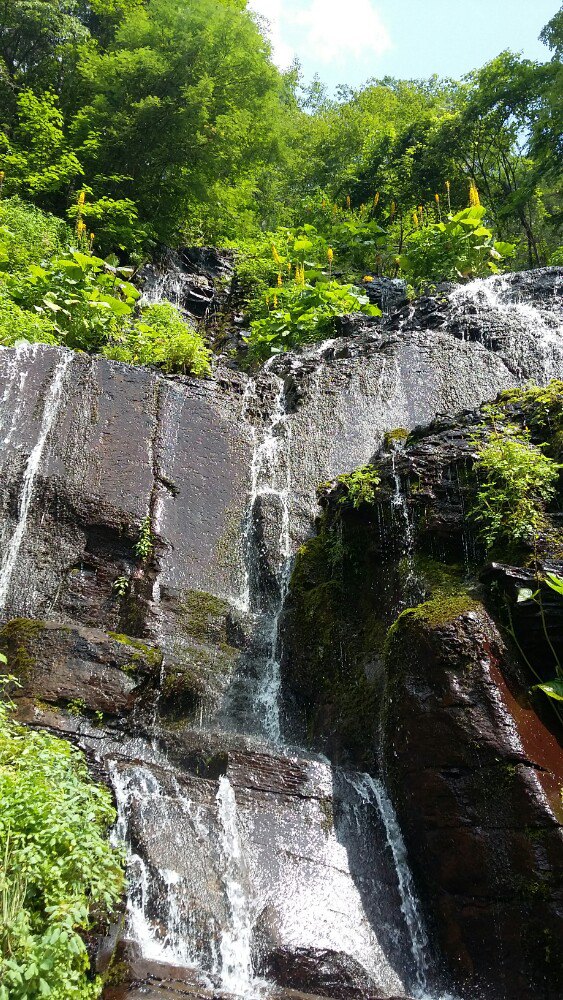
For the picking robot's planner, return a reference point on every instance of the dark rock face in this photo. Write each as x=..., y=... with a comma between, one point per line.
x=82, y=667
x=328, y=973
x=481, y=817
x=474, y=770
x=196, y=279
x=387, y=293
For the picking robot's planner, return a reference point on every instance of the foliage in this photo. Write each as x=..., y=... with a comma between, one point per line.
x=86, y=298
x=36, y=156
x=361, y=486
x=57, y=870
x=17, y=324
x=459, y=248
x=29, y=236
x=302, y=313
x=160, y=337
x=516, y=481
x=145, y=543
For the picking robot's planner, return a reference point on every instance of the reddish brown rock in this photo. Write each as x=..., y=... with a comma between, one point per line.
x=476, y=781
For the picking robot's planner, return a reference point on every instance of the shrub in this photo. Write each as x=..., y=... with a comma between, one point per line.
x=18, y=324
x=516, y=481
x=161, y=337
x=29, y=236
x=460, y=248
x=57, y=868
x=361, y=486
x=302, y=313
x=86, y=298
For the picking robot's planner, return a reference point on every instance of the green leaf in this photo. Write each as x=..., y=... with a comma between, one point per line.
x=553, y=689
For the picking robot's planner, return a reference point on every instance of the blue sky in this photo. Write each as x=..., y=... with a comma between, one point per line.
x=349, y=41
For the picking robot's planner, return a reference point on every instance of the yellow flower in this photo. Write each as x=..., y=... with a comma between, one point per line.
x=447, y=186
x=348, y=201
x=2, y=176
x=280, y=282
x=92, y=237
x=289, y=267
x=81, y=199
x=276, y=255
x=393, y=208
x=415, y=220
x=330, y=255
x=80, y=227
x=474, y=199
x=376, y=199
x=437, y=199
x=275, y=302
x=367, y=277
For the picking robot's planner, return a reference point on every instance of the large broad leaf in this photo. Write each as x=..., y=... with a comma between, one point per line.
x=555, y=582
x=553, y=689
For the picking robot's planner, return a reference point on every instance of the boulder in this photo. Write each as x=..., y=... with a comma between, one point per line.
x=84, y=668
x=476, y=779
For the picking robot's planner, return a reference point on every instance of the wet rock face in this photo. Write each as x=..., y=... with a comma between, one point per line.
x=476, y=781
x=77, y=666
x=330, y=974
x=196, y=279
x=471, y=759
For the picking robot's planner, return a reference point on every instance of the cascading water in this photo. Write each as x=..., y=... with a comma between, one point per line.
x=270, y=484
x=12, y=546
x=236, y=936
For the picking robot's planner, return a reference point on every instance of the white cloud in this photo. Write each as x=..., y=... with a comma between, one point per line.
x=327, y=31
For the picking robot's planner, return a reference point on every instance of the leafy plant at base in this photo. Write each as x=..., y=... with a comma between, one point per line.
x=58, y=871
x=516, y=481
x=160, y=336
x=460, y=248
x=361, y=486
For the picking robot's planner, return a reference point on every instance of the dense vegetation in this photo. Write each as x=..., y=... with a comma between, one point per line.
x=58, y=873
x=126, y=125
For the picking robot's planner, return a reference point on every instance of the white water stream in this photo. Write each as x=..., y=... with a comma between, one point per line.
x=51, y=409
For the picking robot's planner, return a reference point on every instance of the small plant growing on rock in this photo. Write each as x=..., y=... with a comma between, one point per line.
x=145, y=542
x=361, y=486
x=516, y=481
x=120, y=586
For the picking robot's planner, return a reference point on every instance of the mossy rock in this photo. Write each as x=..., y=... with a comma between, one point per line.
x=203, y=616
x=16, y=642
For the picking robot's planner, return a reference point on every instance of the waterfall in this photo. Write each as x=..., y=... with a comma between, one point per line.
x=270, y=482
x=374, y=795
x=51, y=409
x=236, y=936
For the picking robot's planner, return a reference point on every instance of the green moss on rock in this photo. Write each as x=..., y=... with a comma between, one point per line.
x=16, y=641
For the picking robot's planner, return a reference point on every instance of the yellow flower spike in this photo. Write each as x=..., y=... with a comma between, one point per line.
x=330, y=255
x=2, y=176
x=275, y=302
x=474, y=200
x=81, y=199
x=437, y=199
x=323, y=203
x=415, y=219
x=448, y=186
x=280, y=282
x=92, y=237
x=276, y=255
x=376, y=199
x=393, y=208
x=289, y=267
x=348, y=201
